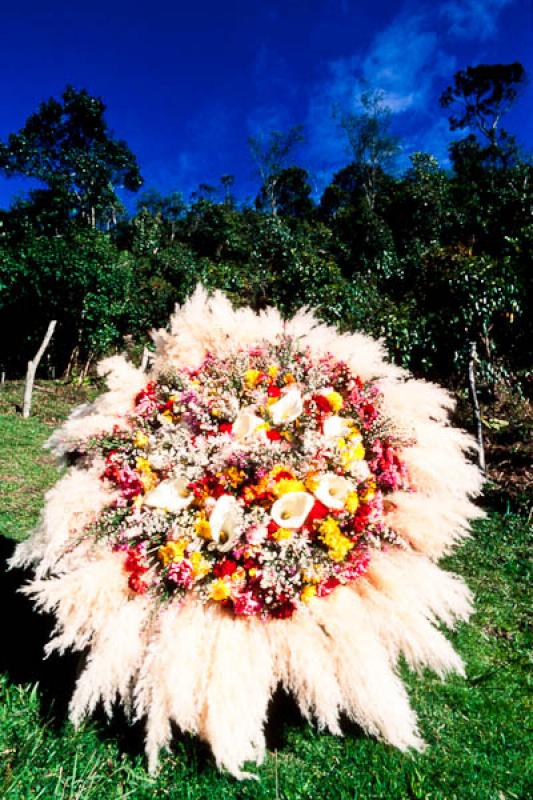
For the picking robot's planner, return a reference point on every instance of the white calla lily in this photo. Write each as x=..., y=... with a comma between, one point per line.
x=332, y=490
x=335, y=427
x=246, y=424
x=287, y=408
x=224, y=522
x=291, y=510
x=171, y=494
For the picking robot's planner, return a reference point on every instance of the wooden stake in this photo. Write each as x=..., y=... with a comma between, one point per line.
x=472, y=358
x=32, y=369
x=146, y=359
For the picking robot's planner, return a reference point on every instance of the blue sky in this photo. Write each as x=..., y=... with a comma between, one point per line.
x=186, y=83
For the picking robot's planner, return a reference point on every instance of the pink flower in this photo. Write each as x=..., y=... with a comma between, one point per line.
x=181, y=574
x=246, y=604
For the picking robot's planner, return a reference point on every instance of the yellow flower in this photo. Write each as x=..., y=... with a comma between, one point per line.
x=202, y=527
x=239, y=574
x=330, y=527
x=252, y=572
x=352, y=502
x=167, y=416
x=281, y=534
x=286, y=485
x=201, y=567
x=219, y=590
x=172, y=551
x=280, y=468
x=350, y=454
x=311, y=482
x=311, y=577
x=235, y=476
x=149, y=481
x=335, y=400
x=354, y=430
x=307, y=594
x=273, y=370
x=148, y=478
x=338, y=545
x=369, y=493
x=358, y=452
x=140, y=439
x=251, y=377
x=289, y=378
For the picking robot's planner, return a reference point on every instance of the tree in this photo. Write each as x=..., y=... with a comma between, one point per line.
x=293, y=194
x=67, y=146
x=373, y=146
x=361, y=233
x=480, y=96
x=421, y=212
x=270, y=153
x=169, y=209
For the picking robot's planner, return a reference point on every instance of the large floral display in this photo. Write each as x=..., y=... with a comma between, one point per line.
x=264, y=508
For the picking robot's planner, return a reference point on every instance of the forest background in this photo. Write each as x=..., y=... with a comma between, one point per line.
x=435, y=260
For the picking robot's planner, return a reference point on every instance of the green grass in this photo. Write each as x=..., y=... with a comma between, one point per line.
x=26, y=470
x=476, y=728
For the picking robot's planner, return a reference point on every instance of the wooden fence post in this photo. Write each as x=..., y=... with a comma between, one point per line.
x=32, y=369
x=476, y=412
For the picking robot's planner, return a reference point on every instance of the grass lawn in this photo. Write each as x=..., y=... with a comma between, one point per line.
x=476, y=729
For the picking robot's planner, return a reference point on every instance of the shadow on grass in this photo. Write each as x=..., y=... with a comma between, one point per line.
x=25, y=634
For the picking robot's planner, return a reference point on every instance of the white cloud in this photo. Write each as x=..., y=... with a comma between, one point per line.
x=404, y=60
x=472, y=18
x=409, y=61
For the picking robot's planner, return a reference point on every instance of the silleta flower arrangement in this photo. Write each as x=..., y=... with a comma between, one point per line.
x=264, y=508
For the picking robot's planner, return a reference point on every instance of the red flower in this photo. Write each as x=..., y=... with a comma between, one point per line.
x=319, y=511
x=323, y=403
x=147, y=392
x=283, y=474
x=137, y=585
x=225, y=427
x=272, y=527
x=284, y=610
x=273, y=391
x=274, y=436
x=133, y=564
x=226, y=567
x=360, y=520
x=327, y=587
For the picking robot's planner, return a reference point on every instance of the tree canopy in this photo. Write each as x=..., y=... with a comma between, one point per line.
x=432, y=258
x=67, y=146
